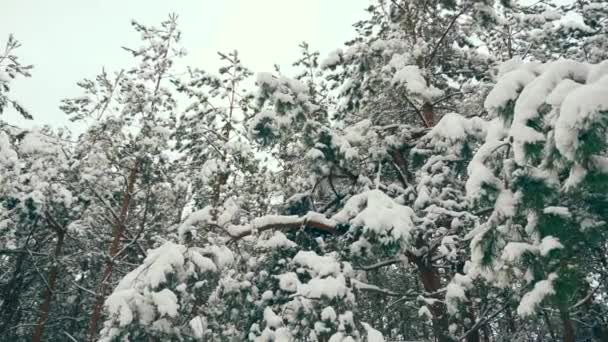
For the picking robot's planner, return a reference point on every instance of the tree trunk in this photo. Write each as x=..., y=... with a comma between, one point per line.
x=549, y=326
x=432, y=283
x=474, y=336
x=429, y=114
x=567, y=325
x=510, y=319
x=48, y=296
x=117, y=233
x=12, y=293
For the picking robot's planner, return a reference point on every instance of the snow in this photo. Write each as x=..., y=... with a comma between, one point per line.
x=373, y=335
x=597, y=72
x=580, y=109
x=317, y=217
x=557, y=211
x=266, y=78
x=548, y=244
x=278, y=240
x=228, y=212
x=533, y=96
x=364, y=286
x=332, y=59
x=577, y=174
x=329, y=287
x=202, y=216
x=317, y=265
x=267, y=295
x=37, y=142
x=166, y=302
x=314, y=153
x=136, y=291
x=479, y=174
x=356, y=134
x=411, y=77
x=329, y=314
x=376, y=212
x=272, y=320
x=575, y=26
x=455, y=128
x=117, y=305
x=505, y=204
x=283, y=334
x=288, y=282
x=529, y=302
x=507, y=88
x=203, y=263
x=455, y=292
x=357, y=247
x=513, y=251
x=8, y=156
x=222, y=255
x=425, y=312
x=159, y=262
x=278, y=220
x=162, y=325
x=337, y=337
x=563, y=88
x=198, y=326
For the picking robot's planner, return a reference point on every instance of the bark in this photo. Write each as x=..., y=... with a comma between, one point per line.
x=48, y=295
x=549, y=325
x=510, y=319
x=118, y=232
x=12, y=293
x=429, y=114
x=474, y=336
x=567, y=326
x=432, y=283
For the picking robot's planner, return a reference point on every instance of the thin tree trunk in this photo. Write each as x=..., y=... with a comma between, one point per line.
x=510, y=319
x=12, y=293
x=48, y=296
x=118, y=232
x=549, y=326
x=473, y=336
x=487, y=333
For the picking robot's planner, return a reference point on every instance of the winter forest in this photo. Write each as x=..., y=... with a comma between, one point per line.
x=441, y=176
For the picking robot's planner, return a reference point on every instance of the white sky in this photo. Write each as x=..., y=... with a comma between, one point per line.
x=68, y=40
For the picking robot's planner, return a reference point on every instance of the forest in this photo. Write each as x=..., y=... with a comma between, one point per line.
x=441, y=176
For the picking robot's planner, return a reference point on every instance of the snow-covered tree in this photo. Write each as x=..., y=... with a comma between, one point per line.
x=440, y=178
x=542, y=171
x=10, y=68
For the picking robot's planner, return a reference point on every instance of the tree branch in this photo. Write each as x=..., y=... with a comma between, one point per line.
x=311, y=220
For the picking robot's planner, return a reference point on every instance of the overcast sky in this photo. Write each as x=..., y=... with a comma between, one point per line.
x=67, y=40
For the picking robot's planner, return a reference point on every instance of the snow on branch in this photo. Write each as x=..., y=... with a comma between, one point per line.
x=284, y=222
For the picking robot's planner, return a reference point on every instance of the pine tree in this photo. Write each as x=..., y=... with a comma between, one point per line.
x=10, y=68
x=541, y=171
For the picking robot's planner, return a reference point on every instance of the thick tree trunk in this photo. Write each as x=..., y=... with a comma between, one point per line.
x=118, y=232
x=567, y=326
x=432, y=283
x=429, y=114
x=48, y=296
